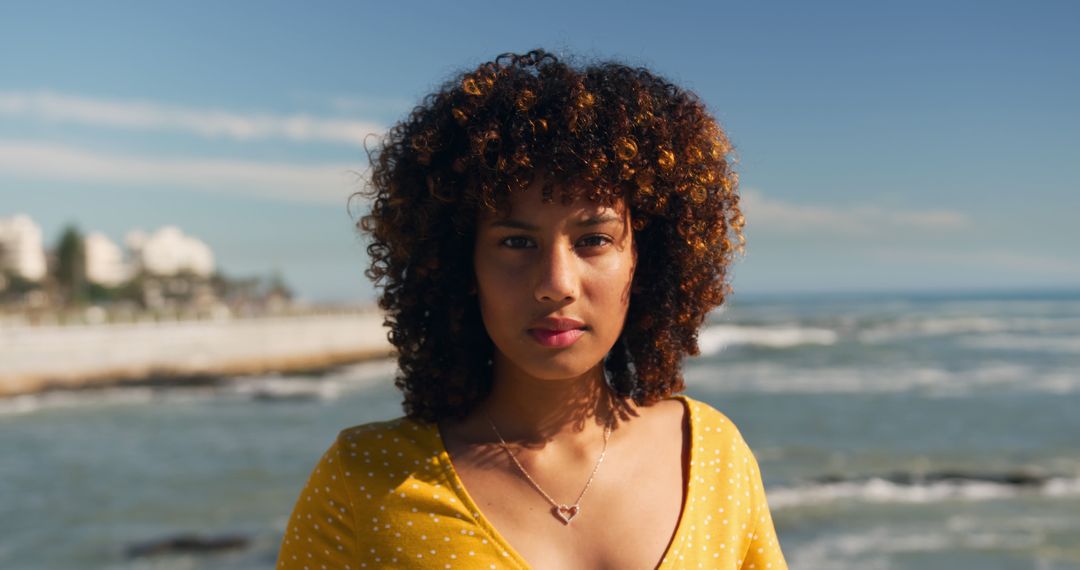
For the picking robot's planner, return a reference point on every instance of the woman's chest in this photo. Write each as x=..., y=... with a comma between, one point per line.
x=626, y=519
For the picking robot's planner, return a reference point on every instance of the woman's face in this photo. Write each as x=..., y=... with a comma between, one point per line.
x=554, y=283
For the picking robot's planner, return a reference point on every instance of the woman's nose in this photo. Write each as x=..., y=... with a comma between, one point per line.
x=557, y=279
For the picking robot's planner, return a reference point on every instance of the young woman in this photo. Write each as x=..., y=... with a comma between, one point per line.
x=548, y=240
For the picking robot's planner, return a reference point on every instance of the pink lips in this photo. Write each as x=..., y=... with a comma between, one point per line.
x=557, y=331
x=556, y=339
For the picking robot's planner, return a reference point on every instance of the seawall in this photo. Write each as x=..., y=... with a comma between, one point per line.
x=35, y=359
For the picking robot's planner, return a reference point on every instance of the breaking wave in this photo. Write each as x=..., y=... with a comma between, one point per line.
x=932, y=381
x=716, y=338
x=272, y=387
x=929, y=488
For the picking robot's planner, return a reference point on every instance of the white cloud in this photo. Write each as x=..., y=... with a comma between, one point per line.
x=327, y=183
x=210, y=123
x=998, y=259
x=367, y=104
x=860, y=220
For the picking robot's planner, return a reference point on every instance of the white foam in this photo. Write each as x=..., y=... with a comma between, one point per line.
x=916, y=327
x=363, y=374
x=1069, y=344
x=774, y=377
x=285, y=388
x=348, y=379
x=716, y=338
x=122, y=396
x=877, y=490
x=871, y=548
x=1061, y=487
x=331, y=386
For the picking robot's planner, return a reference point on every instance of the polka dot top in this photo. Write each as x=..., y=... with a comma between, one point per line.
x=385, y=495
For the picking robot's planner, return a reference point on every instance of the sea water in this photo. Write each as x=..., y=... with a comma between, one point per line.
x=893, y=432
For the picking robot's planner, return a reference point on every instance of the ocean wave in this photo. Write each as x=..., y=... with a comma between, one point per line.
x=931, y=488
x=1039, y=307
x=716, y=338
x=272, y=387
x=327, y=387
x=764, y=376
x=117, y=395
x=915, y=327
x=1065, y=344
x=284, y=388
x=871, y=549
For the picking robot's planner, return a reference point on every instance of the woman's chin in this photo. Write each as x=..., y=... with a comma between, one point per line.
x=553, y=370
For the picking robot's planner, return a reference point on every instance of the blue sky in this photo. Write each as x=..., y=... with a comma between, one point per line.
x=907, y=146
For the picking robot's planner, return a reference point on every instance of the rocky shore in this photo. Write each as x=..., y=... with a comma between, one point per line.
x=41, y=358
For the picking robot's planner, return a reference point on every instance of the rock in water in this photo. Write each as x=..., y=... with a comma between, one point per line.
x=188, y=544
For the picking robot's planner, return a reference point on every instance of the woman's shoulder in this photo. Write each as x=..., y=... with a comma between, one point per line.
x=377, y=457
x=396, y=427
x=712, y=427
x=396, y=439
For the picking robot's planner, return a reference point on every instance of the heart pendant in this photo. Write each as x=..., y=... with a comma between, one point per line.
x=565, y=513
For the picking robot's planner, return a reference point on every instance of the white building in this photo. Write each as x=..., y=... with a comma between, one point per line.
x=168, y=252
x=104, y=261
x=22, y=250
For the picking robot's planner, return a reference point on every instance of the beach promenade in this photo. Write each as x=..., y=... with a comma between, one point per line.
x=39, y=358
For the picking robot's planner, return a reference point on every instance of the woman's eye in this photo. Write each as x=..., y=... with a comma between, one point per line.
x=594, y=241
x=516, y=242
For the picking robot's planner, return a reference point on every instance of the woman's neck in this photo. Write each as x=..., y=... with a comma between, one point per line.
x=534, y=412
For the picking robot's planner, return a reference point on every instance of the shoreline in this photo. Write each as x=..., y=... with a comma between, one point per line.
x=39, y=360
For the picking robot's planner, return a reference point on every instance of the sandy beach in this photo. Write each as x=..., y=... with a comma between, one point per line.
x=35, y=359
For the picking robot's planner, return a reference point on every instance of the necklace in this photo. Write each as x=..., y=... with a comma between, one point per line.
x=565, y=513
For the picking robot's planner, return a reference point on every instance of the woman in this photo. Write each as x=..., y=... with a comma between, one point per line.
x=548, y=239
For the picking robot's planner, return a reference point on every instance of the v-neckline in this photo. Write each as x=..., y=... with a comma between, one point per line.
x=466, y=499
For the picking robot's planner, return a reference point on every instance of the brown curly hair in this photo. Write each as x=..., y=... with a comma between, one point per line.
x=614, y=132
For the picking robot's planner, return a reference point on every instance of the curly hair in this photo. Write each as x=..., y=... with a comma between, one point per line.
x=611, y=132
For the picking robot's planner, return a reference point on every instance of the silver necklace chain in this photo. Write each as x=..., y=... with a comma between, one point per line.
x=565, y=513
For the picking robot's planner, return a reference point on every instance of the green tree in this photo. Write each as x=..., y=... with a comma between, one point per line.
x=277, y=285
x=71, y=264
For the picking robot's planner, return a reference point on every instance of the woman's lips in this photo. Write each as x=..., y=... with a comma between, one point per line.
x=556, y=339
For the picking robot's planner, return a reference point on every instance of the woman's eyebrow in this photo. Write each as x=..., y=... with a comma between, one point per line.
x=597, y=220
x=515, y=224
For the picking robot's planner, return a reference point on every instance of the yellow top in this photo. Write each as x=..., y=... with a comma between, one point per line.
x=385, y=495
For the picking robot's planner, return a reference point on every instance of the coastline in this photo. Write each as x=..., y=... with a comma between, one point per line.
x=42, y=359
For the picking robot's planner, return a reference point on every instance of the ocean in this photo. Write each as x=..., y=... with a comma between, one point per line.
x=893, y=432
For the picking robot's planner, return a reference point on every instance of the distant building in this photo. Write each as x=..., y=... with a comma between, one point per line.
x=169, y=252
x=104, y=261
x=22, y=250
